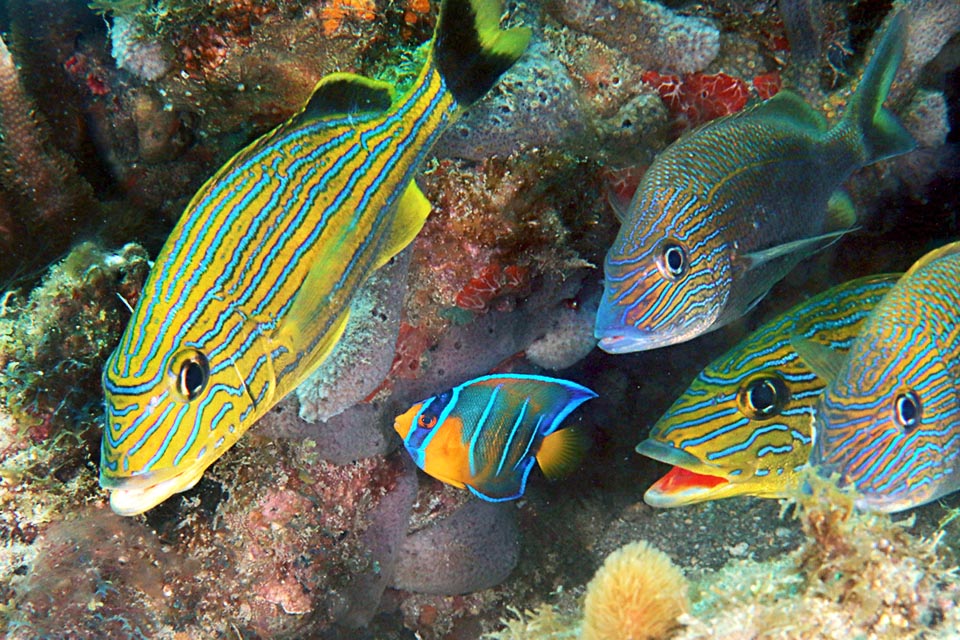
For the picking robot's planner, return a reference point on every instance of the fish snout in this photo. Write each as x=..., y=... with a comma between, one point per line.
x=619, y=337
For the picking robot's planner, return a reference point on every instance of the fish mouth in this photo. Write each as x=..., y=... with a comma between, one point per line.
x=688, y=482
x=617, y=337
x=629, y=340
x=134, y=495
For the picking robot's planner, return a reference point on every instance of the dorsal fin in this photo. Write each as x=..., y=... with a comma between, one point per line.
x=936, y=254
x=788, y=105
x=344, y=93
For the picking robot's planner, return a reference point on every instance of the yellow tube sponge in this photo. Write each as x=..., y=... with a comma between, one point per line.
x=637, y=594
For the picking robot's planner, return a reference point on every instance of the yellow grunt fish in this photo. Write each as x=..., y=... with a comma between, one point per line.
x=888, y=421
x=252, y=289
x=744, y=425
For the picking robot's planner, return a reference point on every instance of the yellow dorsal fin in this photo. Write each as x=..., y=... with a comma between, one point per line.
x=936, y=254
x=561, y=452
x=412, y=212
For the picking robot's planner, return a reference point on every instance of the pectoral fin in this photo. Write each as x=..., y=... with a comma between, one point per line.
x=300, y=331
x=841, y=214
x=805, y=246
x=824, y=361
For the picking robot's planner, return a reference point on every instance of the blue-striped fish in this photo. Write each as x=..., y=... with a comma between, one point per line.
x=743, y=427
x=485, y=434
x=252, y=288
x=725, y=212
x=888, y=422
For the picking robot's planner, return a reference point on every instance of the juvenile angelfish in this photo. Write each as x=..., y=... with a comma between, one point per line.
x=485, y=434
x=888, y=422
x=727, y=211
x=743, y=427
x=252, y=289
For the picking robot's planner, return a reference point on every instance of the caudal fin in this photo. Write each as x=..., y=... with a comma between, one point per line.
x=471, y=51
x=883, y=135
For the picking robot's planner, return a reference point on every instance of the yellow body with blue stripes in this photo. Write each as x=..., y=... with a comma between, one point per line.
x=252, y=289
x=743, y=427
x=888, y=422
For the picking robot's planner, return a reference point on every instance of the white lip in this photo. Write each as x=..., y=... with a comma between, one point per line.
x=627, y=343
x=132, y=501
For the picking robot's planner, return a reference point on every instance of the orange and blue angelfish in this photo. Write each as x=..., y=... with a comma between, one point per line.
x=744, y=426
x=888, y=422
x=727, y=211
x=485, y=435
x=253, y=288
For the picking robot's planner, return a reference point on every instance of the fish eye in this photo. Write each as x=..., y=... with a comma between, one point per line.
x=763, y=397
x=907, y=409
x=672, y=260
x=426, y=421
x=190, y=371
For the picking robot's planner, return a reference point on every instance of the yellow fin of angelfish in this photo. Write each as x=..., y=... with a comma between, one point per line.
x=824, y=361
x=561, y=452
x=936, y=254
x=412, y=212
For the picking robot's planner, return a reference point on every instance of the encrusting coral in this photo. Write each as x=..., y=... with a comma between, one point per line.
x=42, y=182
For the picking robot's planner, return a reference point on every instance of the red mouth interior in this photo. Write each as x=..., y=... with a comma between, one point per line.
x=678, y=479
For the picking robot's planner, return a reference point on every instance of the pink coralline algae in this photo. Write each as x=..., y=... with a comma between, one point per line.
x=697, y=97
x=492, y=282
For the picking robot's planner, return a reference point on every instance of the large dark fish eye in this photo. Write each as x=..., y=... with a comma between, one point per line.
x=190, y=371
x=672, y=260
x=907, y=410
x=763, y=397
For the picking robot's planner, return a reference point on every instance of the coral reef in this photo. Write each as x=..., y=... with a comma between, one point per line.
x=53, y=345
x=856, y=575
x=146, y=59
x=41, y=183
x=652, y=35
x=322, y=527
